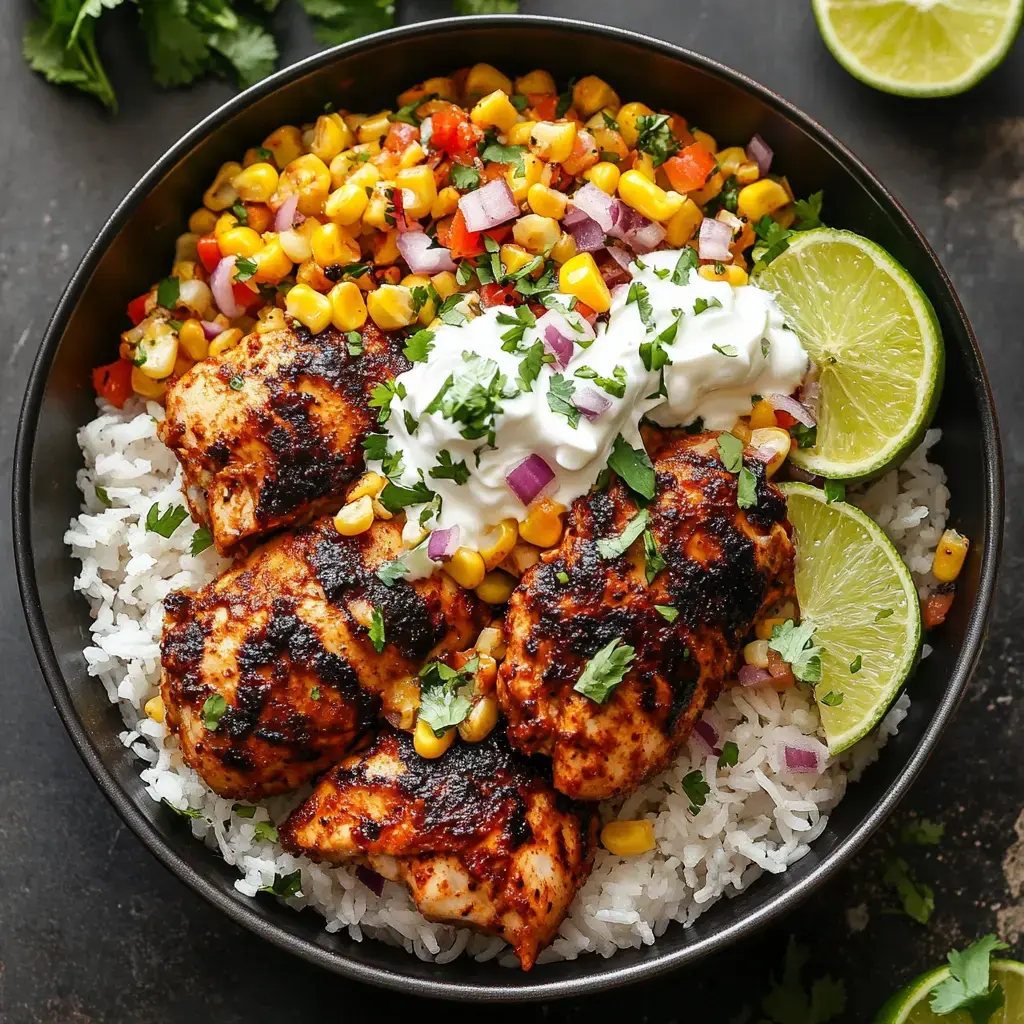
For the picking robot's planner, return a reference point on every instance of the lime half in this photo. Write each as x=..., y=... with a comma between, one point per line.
x=919, y=47
x=852, y=583
x=911, y=1004
x=874, y=336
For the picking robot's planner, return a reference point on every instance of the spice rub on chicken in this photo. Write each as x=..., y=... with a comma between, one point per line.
x=268, y=433
x=274, y=670
x=682, y=594
x=477, y=835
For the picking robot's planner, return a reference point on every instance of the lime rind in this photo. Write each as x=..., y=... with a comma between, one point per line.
x=847, y=573
x=895, y=352
x=976, y=70
x=910, y=1004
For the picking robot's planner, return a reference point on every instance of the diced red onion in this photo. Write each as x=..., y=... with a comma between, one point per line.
x=751, y=675
x=489, y=206
x=612, y=270
x=211, y=330
x=810, y=397
x=288, y=215
x=529, y=477
x=761, y=153
x=802, y=759
x=370, y=878
x=591, y=402
x=598, y=206
x=639, y=233
x=418, y=250
x=787, y=404
x=586, y=233
x=708, y=734
x=221, y=281
x=558, y=335
x=620, y=256
x=443, y=544
x=715, y=238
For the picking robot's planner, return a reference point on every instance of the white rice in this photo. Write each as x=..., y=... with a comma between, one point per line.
x=758, y=816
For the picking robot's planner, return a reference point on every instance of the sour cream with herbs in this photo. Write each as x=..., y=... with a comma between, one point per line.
x=676, y=348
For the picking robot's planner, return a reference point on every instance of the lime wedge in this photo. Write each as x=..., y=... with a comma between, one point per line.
x=911, y=1004
x=852, y=583
x=874, y=335
x=919, y=47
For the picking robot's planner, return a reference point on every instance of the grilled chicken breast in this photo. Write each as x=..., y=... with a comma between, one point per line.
x=284, y=639
x=723, y=567
x=268, y=433
x=477, y=835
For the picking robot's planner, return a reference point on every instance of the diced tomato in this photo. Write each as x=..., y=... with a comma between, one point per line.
x=782, y=674
x=935, y=609
x=544, y=105
x=137, y=309
x=784, y=419
x=611, y=270
x=464, y=243
x=500, y=233
x=536, y=309
x=114, y=382
x=453, y=132
x=209, y=252
x=561, y=179
x=400, y=135
x=690, y=168
x=245, y=296
x=589, y=314
x=499, y=295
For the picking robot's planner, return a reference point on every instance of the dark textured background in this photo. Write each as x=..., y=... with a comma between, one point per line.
x=93, y=931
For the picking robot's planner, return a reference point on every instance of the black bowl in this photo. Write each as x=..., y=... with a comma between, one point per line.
x=132, y=250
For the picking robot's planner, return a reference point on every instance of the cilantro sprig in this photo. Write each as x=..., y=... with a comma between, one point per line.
x=605, y=671
x=967, y=987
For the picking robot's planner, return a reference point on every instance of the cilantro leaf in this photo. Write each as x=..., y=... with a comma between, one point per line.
x=808, y=212
x=285, y=885
x=667, y=612
x=638, y=294
x=729, y=351
x=529, y=366
x=967, y=987
x=184, y=812
x=835, y=490
x=473, y=398
x=688, y=260
x=177, y=46
x=395, y=497
x=249, y=49
x=201, y=540
x=746, y=489
x=338, y=21
x=265, y=832
x=213, y=709
x=448, y=470
x=615, y=547
x=499, y=154
x=560, y=392
x=407, y=114
x=806, y=437
x=653, y=562
x=442, y=707
x=101, y=494
x=376, y=631
x=464, y=178
x=564, y=100
x=166, y=523
x=419, y=346
x=701, y=304
x=730, y=755
x=633, y=466
x=730, y=451
x=167, y=292
x=696, y=790
x=655, y=137
x=795, y=645
x=922, y=832
x=381, y=397
x=243, y=810
x=605, y=671
x=788, y=1001
x=389, y=573
x=917, y=898
x=375, y=447
x=774, y=238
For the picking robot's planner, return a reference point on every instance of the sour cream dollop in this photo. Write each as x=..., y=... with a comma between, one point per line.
x=468, y=398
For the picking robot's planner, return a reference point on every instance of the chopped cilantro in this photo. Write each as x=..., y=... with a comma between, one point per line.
x=517, y=321
x=633, y=466
x=448, y=470
x=688, y=260
x=806, y=437
x=395, y=497
x=667, y=612
x=655, y=137
x=241, y=214
x=696, y=790
x=375, y=447
x=499, y=154
x=833, y=699
x=560, y=392
x=856, y=664
x=774, y=238
x=529, y=366
x=102, y=496
x=473, y=399
x=795, y=645
x=265, y=832
x=464, y=178
x=201, y=540
x=285, y=885
x=167, y=292
x=314, y=694
x=419, y=346
x=609, y=121
x=917, y=898
x=562, y=576
x=564, y=100
x=605, y=671
x=243, y=810
x=381, y=397
x=638, y=294
x=701, y=304
x=213, y=709
x=165, y=524
x=389, y=573
x=730, y=755
x=729, y=351
x=808, y=212
x=244, y=268
x=377, y=637
x=442, y=707
x=730, y=451
x=653, y=562
x=355, y=343
x=746, y=489
x=407, y=114
x=835, y=490
x=184, y=812
x=615, y=547
x=922, y=832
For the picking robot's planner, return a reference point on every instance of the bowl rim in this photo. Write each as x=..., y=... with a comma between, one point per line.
x=248, y=913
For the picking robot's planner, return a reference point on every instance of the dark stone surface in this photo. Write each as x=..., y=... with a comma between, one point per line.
x=92, y=930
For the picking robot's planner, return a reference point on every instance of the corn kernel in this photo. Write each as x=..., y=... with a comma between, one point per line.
x=381, y=207
x=446, y=203
x=225, y=222
x=648, y=199
x=764, y=196
x=346, y=205
x=295, y=245
x=355, y=517
x=491, y=641
x=203, y=221
x=628, y=838
x=534, y=82
x=546, y=202
x=348, y=310
x=271, y=318
x=579, y=276
x=730, y=158
x=774, y=440
x=256, y=184
x=369, y=485
x=543, y=523
x=756, y=653
x=707, y=141
x=495, y=110
x=483, y=79
x=605, y=175
x=222, y=194
x=523, y=556
x=763, y=629
x=785, y=216
x=427, y=743
x=496, y=588
x=419, y=181
x=155, y=709
x=514, y=258
x=225, y=340
x=466, y=567
x=736, y=276
x=308, y=177
x=536, y=234
x=192, y=338
x=591, y=93
x=445, y=283
x=384, y=248
x=345, y=164
x=240, y=242
x=747, y=173
x=285, y=144
x=309, y=307
x=644, y=163
x=519, y=133
x=762, y=415
x=628, y=113
x=683, y=224
x=158, y=351
x=714, y=186
x=553, y=140
x=330, y=136
x=373, y=129
x=146, y=386
x=564, y=249
x=184, y=270
x=482, y=718
x=390, y=307
x=533, y=172
x=331, y=246
x=428, y=310
x=272, y=264
x=949, y=556
x=412, y=155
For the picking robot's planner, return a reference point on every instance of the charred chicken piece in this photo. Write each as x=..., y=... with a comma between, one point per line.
x=271, y=672
x=477, y=835
x=723, y=567
x=268, y=433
